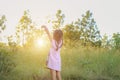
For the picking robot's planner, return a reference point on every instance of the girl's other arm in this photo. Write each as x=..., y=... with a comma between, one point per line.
x=48, y=33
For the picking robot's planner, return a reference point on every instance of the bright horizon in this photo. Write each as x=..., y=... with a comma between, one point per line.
x=105, y=12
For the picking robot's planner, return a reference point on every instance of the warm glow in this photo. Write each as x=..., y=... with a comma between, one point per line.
x=40, y=42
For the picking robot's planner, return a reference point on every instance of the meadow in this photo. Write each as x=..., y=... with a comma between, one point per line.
x=79, y=63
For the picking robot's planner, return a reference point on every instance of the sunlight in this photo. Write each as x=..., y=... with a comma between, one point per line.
x=40, y=42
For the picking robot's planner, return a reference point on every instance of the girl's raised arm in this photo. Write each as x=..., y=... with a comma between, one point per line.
x=47, y=31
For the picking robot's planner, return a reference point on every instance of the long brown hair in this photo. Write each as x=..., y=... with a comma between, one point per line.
x=58, y=36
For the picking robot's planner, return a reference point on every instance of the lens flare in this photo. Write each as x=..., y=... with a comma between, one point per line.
x=40, y=42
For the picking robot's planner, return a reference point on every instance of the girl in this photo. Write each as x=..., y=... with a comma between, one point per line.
x=54, y=60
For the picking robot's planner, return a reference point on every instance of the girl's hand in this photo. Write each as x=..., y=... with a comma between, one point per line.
x=47, y=31
x=43, y=26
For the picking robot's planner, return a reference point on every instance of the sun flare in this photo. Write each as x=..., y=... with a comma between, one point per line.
x=40, y=42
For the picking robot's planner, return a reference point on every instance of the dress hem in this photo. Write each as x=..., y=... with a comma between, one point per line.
x=53, y=69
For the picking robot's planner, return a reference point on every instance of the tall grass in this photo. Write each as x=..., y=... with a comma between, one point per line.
x=77, y=64
x=91, y=64
x=6, y=62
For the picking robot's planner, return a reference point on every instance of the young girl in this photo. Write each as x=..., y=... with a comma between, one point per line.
x=54, y=60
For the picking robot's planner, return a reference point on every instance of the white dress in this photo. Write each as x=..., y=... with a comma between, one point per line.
x=54, y=59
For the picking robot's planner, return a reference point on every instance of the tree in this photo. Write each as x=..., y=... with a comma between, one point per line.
x=58, y=21
x=84, y=31
x=26, y=32
x=107, y=42
x=90, y=33
x=2, y=23
x=104, y=41
x=71, y=34
x=24, y=28
x=116, y=40
x=12, y=44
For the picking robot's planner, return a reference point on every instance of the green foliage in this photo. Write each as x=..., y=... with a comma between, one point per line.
x=2, y=23
x=77, y=63
x=116, y=39
x=71, y=35
x=113, y=42
x=90, y=64
x=90, y=32
x=80, y=63
x=107, y=42
x=84, y=31
x=24, y=28
x=6, y=62
x=59, y=20
x=104, y=41
x=30, y=63
x=11, y=43
x=26, y=32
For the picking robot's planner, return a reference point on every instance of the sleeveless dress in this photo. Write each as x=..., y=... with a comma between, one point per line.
x=54, y=59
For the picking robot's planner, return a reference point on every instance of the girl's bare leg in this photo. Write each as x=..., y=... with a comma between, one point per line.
x=58, y=75
x=53, y=74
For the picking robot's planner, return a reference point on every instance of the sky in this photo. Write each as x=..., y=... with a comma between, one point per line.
x=105, y=12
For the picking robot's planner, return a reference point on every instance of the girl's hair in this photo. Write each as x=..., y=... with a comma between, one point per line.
x=58, y=36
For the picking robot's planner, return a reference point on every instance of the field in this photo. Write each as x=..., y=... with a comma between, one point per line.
x=77, y=64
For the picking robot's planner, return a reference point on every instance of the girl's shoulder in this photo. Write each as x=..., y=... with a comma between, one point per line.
x=53, y=40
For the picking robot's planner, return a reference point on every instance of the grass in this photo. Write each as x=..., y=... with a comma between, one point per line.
x=77, y=64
